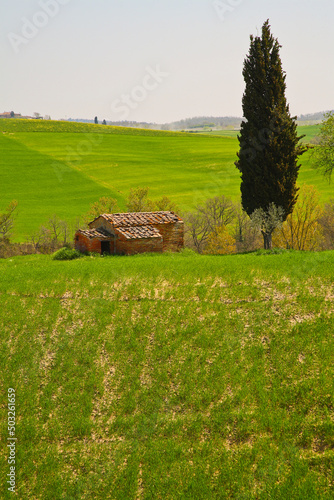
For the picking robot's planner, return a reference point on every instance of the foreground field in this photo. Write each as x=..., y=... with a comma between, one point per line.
x=61, y=167
x=173, y=376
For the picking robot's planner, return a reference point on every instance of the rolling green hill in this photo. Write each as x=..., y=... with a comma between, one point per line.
x=61, y=167
x=174, y=376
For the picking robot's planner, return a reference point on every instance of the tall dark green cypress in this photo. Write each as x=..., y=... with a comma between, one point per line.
x=269, y=144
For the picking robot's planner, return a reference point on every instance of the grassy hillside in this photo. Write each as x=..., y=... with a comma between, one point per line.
x=170, y=376
x=309, y=131
x=62, y=167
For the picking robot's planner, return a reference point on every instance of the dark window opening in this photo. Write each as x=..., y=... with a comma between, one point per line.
x=105, y=247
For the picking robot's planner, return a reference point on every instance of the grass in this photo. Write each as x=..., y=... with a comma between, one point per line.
x=170, y=376
x=62, y=167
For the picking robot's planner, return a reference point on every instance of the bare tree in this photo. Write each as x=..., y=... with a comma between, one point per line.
x=7, y=221
x=246, y=235
x=206, y=220
x=301, y=230
x=51, y=236
x=197, y=230
x=218, y=211
x=326, y=222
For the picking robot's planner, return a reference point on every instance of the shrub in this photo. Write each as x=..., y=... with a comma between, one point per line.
x=220, y=242
x=66, y=254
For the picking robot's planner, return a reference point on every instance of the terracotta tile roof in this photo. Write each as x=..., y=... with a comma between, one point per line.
x=138, y=232
x=141, y=218
x=96, y=233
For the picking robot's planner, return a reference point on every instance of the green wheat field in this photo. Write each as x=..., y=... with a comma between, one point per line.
x=170, y=376
x=159, y=376
x=60, y=168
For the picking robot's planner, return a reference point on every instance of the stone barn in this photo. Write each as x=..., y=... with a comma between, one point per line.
x=132, y=233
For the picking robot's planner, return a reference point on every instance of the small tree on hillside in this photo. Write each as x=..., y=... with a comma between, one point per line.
x=165, y=204
x=96, y=120
x=269, y=145
x=323, y=152
x=104, y=205
x=138, y=200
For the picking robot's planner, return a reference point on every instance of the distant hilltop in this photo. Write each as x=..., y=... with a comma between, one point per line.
x=195, y=124
x=198, y=123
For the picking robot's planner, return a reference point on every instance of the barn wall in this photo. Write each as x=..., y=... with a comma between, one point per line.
x=81, y=243
x=84, y=244
x=173, y=236
x=101, y=223
x=131, y=247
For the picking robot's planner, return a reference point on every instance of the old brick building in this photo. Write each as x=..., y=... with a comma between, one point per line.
x=131, y=233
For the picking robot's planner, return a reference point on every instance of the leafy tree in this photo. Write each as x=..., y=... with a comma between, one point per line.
x=269, y=145
x=104, y=122
x=323, y=153
x=138, y=200
x=165, y=204
x=12, y=114
x=104, y=205
x=96, y=120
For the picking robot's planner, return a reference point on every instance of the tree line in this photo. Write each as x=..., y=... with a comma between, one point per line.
x=217, y=226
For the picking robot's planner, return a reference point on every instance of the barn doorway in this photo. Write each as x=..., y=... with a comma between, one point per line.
x=105, y=247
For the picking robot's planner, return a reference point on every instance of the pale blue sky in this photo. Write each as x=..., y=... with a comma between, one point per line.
x=157, y=60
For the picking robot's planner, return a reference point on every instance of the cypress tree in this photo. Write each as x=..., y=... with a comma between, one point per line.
x=269, y=145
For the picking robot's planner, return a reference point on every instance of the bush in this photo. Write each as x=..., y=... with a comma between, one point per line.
x=220, y=242
x=66, y=254
x=273, y=251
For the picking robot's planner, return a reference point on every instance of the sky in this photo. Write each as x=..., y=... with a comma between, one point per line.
x=157, y=60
